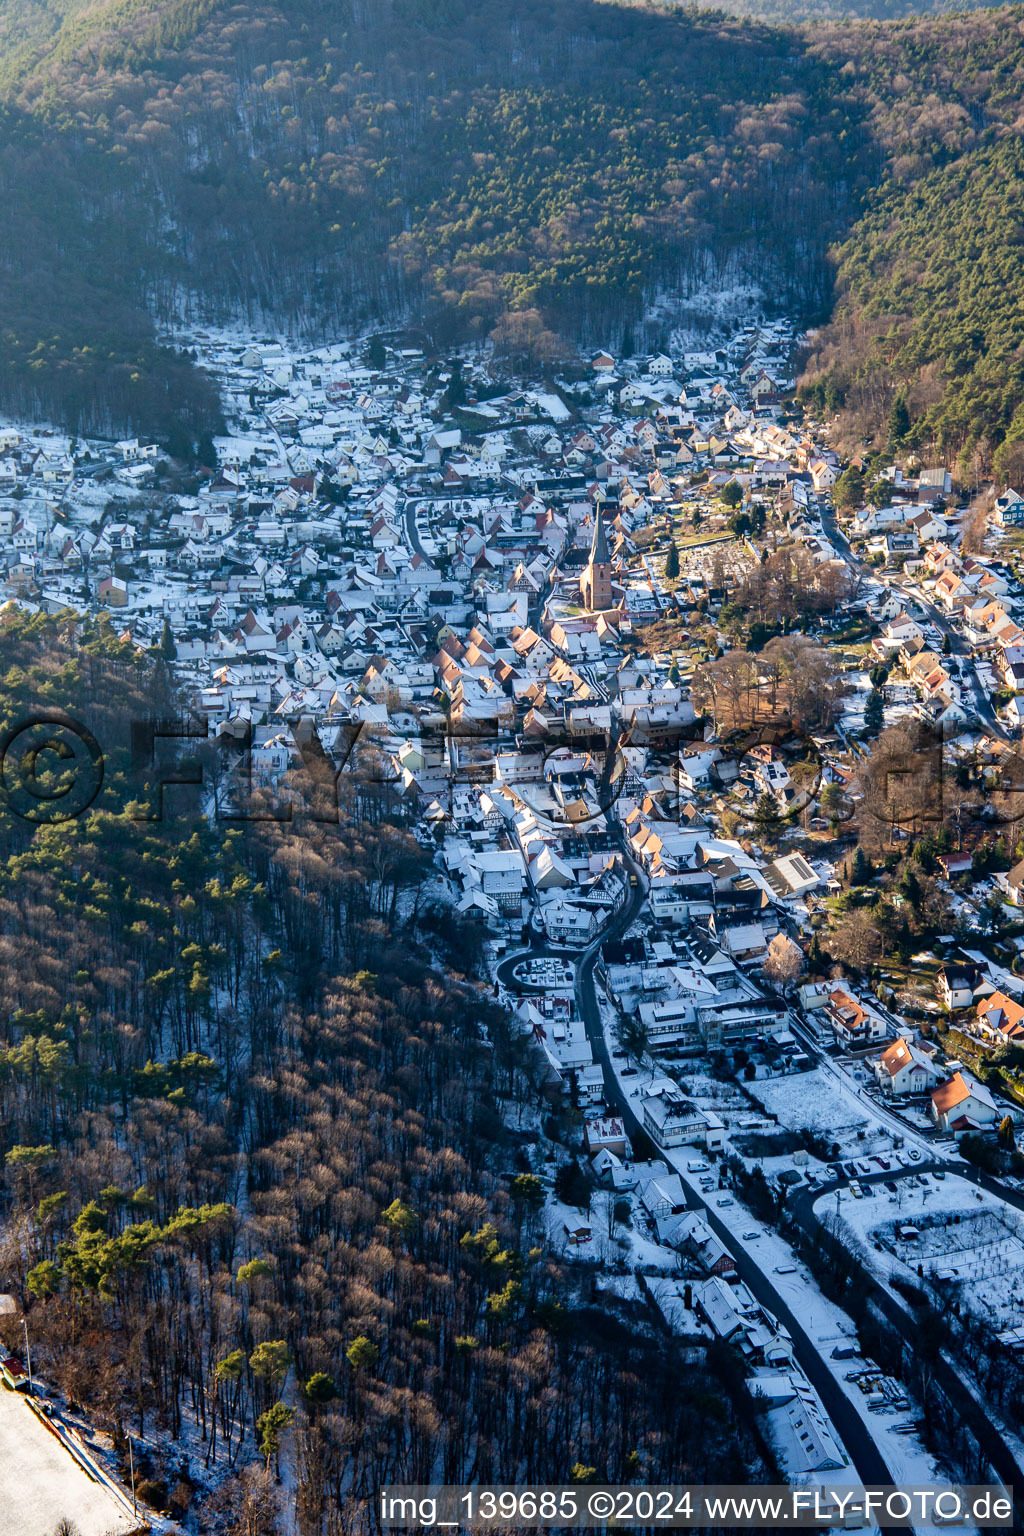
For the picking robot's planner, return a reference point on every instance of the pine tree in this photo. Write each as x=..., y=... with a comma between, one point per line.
x=899, y=420
x=874, y=712
x=766, y=813
x=455, y=394
x=860, y=870
x=849, y=490
x=672, y=563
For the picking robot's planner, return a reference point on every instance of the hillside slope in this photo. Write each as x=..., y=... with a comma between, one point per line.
x=930, y=286
x=535, y=172
x=318, y=166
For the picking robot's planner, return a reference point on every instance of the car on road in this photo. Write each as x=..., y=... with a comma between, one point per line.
x=725, y=1200
x=851, y=1170
x=855, y=1190
x=940, y=1173
x=890, y=1185
x=785, y=1269
x=748, y=1237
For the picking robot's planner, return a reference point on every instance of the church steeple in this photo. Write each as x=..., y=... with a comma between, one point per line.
x=599, y=546
x=596, y=581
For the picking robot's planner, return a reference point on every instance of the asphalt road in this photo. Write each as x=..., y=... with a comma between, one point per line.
x=412, y=532
x=854, y=1433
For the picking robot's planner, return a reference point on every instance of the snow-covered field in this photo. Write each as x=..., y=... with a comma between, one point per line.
x=814, y=1101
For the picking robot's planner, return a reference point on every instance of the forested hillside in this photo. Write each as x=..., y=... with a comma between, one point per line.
x=799, y=12
x=309, y=166
x=260, y=1159
x=530, y=172
x=930, y=287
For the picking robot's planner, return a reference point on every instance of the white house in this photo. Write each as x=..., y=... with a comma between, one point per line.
x=962, y=1104
x=903, y=1069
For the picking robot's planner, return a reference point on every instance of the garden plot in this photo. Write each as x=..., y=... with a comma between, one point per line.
x=952, y=1234
x=707, y=1092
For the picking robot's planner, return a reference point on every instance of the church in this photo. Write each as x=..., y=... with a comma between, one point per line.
x=596, y=580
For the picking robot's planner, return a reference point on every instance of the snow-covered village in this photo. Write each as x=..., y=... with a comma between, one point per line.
x=712, y=737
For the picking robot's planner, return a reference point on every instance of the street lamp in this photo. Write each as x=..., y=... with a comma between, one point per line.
x=28, y=1353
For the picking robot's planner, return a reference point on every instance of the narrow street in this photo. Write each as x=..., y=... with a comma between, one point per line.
x=959, y=646
x=412, y=532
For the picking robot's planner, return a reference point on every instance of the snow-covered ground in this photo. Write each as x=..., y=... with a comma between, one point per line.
x=825, y=1323
x=44, y=1481
x=832, y=1100
x=828, y=1327
x=950, y=1230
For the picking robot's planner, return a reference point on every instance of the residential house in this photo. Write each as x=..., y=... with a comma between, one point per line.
x=853, y=1024
x=903, y=1069
x=962, y=1105
x=1011, y=883
x=955, y=986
